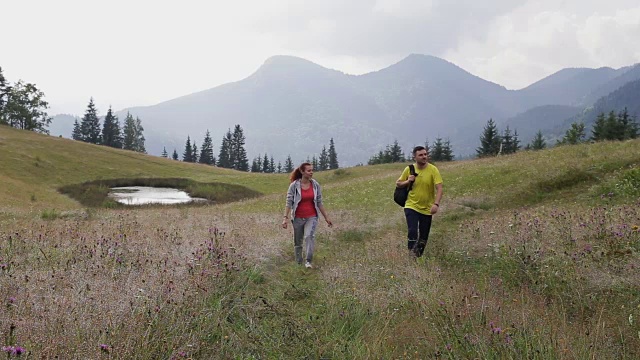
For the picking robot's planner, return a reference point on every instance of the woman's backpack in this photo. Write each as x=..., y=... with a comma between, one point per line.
x=400, y=194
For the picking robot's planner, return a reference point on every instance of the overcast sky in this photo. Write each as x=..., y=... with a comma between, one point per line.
x=139, y=52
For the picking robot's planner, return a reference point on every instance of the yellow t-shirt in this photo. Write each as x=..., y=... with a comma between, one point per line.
x=423, y=193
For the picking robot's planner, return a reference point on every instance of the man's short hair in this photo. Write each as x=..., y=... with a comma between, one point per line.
x=419, y=148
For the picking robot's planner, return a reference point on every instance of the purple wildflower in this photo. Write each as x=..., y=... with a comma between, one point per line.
x=14, y=350
x=588, y=248
x=508, y=339
x=104, y=348
x=448, y=347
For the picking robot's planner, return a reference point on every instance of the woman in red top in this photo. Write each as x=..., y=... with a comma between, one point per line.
x=304, y=202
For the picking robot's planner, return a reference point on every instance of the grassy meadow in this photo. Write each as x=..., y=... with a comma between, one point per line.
x=533, y=256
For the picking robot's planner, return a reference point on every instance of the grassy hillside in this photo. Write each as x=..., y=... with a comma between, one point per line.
x=34, y=166
x=533, y=255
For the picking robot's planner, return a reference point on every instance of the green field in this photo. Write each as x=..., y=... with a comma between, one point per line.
x=533, y=256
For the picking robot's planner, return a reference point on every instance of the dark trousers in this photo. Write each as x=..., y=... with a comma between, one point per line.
x=419, y=226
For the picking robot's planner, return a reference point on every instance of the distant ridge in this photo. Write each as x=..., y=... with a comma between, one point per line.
x=292, y=106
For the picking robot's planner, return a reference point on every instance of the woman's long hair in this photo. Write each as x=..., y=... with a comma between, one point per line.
x=297, y=172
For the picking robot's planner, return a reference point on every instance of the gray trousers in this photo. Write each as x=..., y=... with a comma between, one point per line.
x=304, y=229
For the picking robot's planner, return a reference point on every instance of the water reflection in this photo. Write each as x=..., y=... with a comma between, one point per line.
x=141, y=195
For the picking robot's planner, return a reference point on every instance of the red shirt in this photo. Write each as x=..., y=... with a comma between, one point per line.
x=306, y=208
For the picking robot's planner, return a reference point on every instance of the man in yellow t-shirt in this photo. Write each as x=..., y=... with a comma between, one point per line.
x=423, y=200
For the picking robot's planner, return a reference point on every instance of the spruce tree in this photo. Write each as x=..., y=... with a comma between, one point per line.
x=255, y=164
x=111, y=135
x=613, y=129
x=515, y=147
x=394, y=153
x=323, y=161
x=194, y=152
x=238, y=152
x=489, y=141
x=507, y=142
x=599, y=130
x=224, y=156
x=288, y=164
x=633, y=129
x=76, y=134
x=314, y=162
x=265, y=163
x=272, y=165
x=164, y=152
x=538, y=142
x=437, y=154
x=333, y=156
x=447, y=152
x=628, y=125
x=174, y=156
x=279, y=168
x=187, y=154
x=206, y=152
x=377, y=158
x=129, y=138
x=140, y=137
x=90, y=124
x=575, y=135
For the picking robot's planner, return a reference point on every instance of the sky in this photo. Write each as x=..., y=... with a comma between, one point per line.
x=142, y=52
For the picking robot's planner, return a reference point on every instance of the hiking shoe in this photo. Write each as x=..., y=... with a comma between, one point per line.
x=308, y=265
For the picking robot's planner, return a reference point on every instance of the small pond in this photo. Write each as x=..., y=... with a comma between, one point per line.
x=142, y=195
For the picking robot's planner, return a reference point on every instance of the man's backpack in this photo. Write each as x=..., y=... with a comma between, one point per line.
x=400, y=194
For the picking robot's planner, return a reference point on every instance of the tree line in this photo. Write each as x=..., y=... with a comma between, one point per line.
x=493, y=143
x=232, y=155
x=439, y=151
x=327, y=160
x=22, y=106
x=607, y=127
x=621, y=126
x=129, y=137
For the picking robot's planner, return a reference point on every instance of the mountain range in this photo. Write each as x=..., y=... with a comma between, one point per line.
x=291, y=106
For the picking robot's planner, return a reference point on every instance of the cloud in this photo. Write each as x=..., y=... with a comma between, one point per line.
x=533, y=42
x=380, y=28
x=140, y=52
x=513, y=43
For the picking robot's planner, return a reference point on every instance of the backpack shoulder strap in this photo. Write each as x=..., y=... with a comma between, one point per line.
x=412, y=171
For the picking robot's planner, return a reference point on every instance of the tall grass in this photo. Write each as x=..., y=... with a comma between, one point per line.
x=534, y=255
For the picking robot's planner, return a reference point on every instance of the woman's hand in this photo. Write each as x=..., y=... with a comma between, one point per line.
x=284, y=222
x=328, y=222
